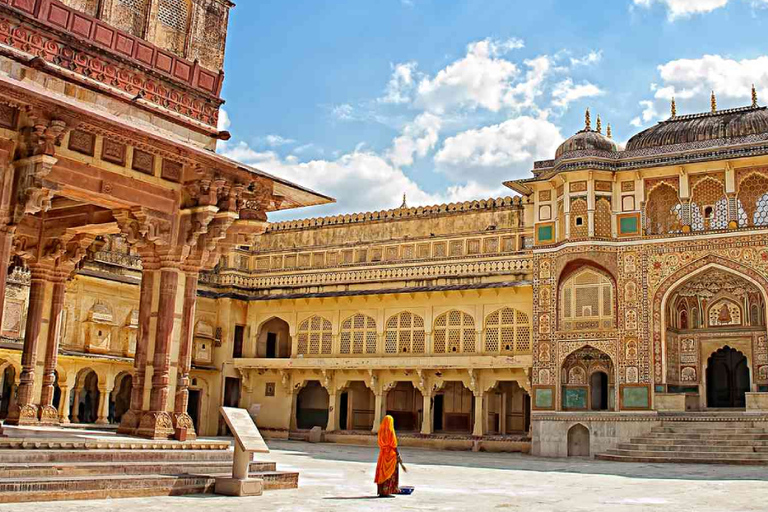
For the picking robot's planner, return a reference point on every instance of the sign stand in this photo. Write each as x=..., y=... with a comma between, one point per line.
x=248, y=440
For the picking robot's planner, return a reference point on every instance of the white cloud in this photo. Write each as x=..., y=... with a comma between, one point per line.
x=401, y=84
x=275, y=141
x=480, y=79
x=589, y=59
x=224, y=121
x=360, y=180
x=344, y=112
x=417, y=138
x=681, y=8
x=512, y=146
x=566, y=92
x=690, y=82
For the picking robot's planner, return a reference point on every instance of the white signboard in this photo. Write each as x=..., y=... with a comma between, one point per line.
x=244, y=429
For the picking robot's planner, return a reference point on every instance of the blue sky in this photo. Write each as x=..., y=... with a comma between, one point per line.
x=365, y=100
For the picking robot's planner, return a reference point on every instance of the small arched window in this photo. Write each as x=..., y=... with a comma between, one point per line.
x=358, y=335
x=454, y=333
x=315, y=336
x=404, y=334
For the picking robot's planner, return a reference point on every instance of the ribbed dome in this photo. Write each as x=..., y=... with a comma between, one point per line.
x=736, y=122
x=584, y=140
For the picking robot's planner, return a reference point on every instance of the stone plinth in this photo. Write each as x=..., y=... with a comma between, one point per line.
x=228, y=486
x=757, y=403
x=676, y=402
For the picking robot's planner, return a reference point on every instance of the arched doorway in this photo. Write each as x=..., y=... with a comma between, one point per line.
x=356, y=407
x=578, y=441
x=274, y=340
x=727, y=378
x=121, y=397
x=404, y=404
x=312, y=406
x=7, y=390
x=598, y=391
x=85, y=399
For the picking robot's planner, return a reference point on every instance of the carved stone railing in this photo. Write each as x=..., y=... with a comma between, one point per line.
x=118, y=258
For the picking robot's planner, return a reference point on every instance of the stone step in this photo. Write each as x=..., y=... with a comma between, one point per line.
x=24, y=470
x=698, y=442
x=707, y=436
x=17, y=490
x=710, y=430
x=44, y=443
x=710, y=424
x=691, y=454
x=62, y=456
x=714, y=449
x=667, y=458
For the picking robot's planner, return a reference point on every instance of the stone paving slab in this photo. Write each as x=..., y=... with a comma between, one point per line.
x=339, y=478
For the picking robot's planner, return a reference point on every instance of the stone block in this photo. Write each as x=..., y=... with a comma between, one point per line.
x=757, y=403
x=676, y=402
x=316, y=435
x=228, y=486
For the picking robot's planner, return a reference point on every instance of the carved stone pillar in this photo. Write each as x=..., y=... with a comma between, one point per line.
x=48, y=413
x=64, y=404
x=333, y=411
x=6, y=239
x=157, y=422
x=103, y=410
x=426, y=421
x=479, y=429
x=378, y=411
x=25, y=412
x=131, y=419
x=76, y=404
x=182, y=422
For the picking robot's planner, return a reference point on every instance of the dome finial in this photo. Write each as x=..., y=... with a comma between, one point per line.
x=599, y=124
x=405, y=204
x=754, y=96
x=587, y=121
x=608, y=131
x=713, y=102
x=674, y=107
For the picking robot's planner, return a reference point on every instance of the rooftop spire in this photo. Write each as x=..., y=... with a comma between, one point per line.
x=754, y=96
x=608, y=132
x=599, y=124
x=674, y=107
x=587, y=121
x=713, y=101
x=405, y=204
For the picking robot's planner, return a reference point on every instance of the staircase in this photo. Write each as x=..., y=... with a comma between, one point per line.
x=698, y=439
x=45, y=471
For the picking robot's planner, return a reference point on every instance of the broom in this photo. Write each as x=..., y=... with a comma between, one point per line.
x=402, y=466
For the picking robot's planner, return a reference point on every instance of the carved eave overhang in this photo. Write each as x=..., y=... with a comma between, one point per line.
x=50, y=35
x=197, y=162
x=520, y=186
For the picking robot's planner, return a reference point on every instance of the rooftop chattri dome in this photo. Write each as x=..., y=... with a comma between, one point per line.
x=588, y=139
x=713, y=125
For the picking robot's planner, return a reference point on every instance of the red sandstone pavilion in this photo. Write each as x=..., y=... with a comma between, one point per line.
x=108, y=124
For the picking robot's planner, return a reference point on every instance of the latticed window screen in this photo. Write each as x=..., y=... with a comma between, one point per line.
x=315, y=337
x=663, y=211
x=587, y=301
x=603, y=218
x=404, y=334
x=358, y=335
x=709, y=206
x=508, y=331
x=753, y=201
x=579, y=222
x=174, y=14
x=454, y=333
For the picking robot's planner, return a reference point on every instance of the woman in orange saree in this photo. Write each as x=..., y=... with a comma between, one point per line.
x=387, y=474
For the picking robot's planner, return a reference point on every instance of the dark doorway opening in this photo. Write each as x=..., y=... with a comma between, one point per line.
x=193, y=408
x=271, y=345
x=599, y=391
x=437, y=411
x=231, y=399
x=312, y=406
x=237, y=350
x=343, y=411
x=727, y=378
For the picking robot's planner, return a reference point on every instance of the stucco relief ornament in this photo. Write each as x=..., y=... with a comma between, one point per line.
x=49, y=415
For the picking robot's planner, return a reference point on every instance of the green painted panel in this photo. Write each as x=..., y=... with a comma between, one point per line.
x=628, y=225
x=545, y=233
x=544, y=399
x=575, y=398
x=636, y=398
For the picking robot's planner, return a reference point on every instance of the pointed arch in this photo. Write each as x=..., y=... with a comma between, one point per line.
x=358, y=335
x=663, y=210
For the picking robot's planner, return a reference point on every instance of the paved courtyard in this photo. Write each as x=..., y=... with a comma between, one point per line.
x=339, y=478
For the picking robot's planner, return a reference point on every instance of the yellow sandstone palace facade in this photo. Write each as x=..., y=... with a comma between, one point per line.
x=145, y=287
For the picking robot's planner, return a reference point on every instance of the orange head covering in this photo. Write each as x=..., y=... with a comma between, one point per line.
x=387, y=463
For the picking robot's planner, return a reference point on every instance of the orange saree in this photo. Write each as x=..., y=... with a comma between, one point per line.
x=387, y=474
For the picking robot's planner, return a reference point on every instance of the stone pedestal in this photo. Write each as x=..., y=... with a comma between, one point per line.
x=228, y=486
x=757, y=403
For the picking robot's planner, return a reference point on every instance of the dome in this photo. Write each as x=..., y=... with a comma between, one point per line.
x=586, y=139
x=722, y=124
